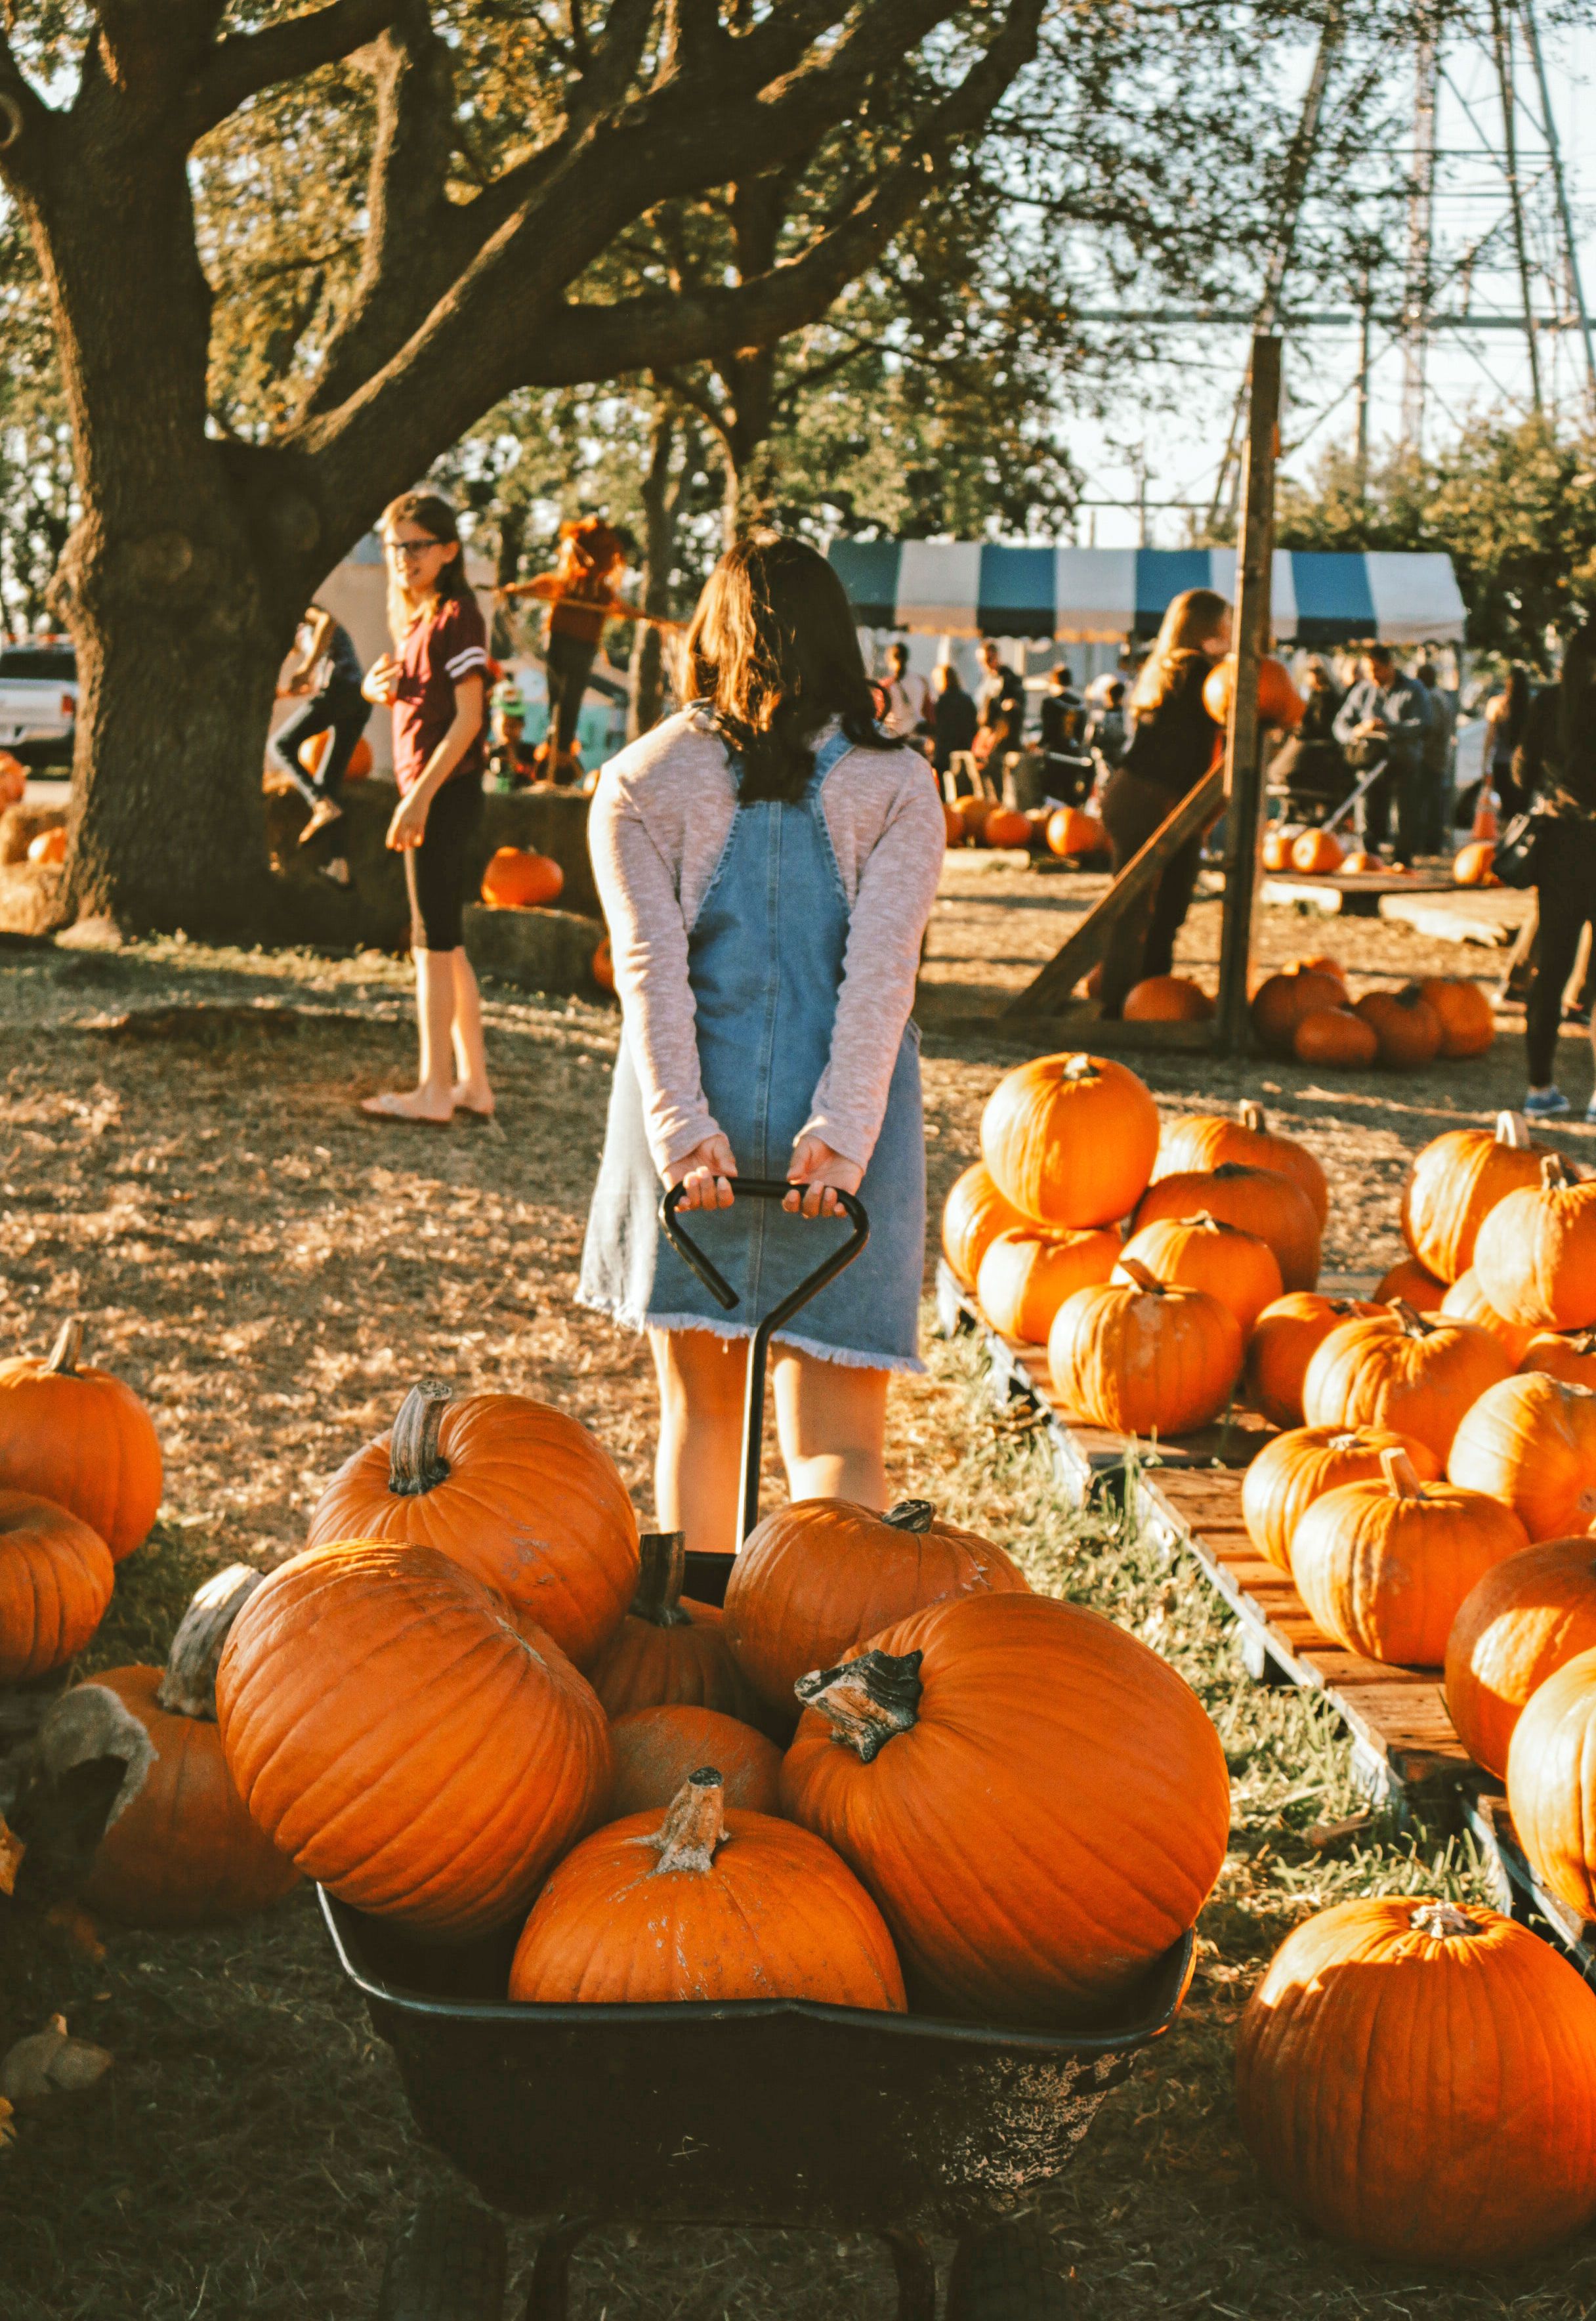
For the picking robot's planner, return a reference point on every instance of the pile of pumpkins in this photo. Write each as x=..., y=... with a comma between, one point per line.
x=1068, y=831
x=1306, y=1011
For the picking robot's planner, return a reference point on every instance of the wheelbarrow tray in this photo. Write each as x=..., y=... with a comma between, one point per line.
x=779, y=2111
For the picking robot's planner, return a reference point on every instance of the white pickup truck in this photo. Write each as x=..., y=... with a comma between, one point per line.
x=37, y=700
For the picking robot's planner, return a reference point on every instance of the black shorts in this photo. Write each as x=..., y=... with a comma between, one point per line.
x=435, y=871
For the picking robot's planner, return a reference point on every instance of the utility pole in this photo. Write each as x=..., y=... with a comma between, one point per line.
x=1571, y=261
x=1363, y=320
x=1501, y=41
x=1421, y=204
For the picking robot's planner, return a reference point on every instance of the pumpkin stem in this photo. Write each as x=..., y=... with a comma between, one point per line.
x=415, y=1464
x=1415, y=1325
x=1442, y=1922
x=1251, y=1115
x=695, y=1824
x=910, y=1514
x=1555, y=1175
x=1140, y=1274
x=663, y=1556
x=1513, y=1129
x=188, y=1686
x=1080, y=1068
x=65, y=1353
x=866, y=1701
x=1401, y=1475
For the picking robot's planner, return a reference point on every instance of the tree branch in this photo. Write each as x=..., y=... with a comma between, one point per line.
x=24, y=116
x=248, y=62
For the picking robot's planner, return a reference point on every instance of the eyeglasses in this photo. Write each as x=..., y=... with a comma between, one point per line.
x=404, y=552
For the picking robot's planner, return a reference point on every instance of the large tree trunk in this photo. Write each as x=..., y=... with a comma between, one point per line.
x=646, y=683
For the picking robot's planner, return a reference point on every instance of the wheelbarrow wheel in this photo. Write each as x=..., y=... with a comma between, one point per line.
x=1007, y=2275
x=446, y=2262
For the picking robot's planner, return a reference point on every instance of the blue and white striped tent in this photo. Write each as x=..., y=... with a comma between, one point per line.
x=980, y=588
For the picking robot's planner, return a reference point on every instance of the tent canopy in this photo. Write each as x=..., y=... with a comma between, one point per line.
x=982, y=588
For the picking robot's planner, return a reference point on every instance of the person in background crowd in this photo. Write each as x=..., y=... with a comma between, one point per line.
x=1436, y=794
x=1062, y=741
x=1556, y=758
x=1001, y=702
x=954, y=718
x=1382, y=722
x=1172, y=747
x=512, y=764
x=580, y=594
x=1105, y=736
x=434, y=680
x=1506, y=715
x=907, y=709
x=1311, y=760
x=329, y=672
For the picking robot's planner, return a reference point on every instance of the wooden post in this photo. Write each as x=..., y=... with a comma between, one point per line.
x=1244, y=771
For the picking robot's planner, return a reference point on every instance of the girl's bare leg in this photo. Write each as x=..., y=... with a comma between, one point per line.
x=470, y=1090
x=433, y=1097
x=696, y=1467
x=831, y=1423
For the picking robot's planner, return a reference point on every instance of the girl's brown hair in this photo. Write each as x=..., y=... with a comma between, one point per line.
x=774, y=653
x=434, y=515
x=1186, y=627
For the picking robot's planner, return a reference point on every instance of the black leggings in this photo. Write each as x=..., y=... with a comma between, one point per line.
x=1143, y=941
x=435, y=871
x=344, y=708
x=1566, y=890
x=568, y=665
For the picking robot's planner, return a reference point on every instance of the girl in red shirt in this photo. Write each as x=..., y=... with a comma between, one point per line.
x=434, y=682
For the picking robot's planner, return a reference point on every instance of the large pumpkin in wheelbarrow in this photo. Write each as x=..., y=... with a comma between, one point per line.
x=1039, y=1803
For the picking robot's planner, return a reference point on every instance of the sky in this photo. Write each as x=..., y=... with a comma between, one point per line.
x=1182, y=445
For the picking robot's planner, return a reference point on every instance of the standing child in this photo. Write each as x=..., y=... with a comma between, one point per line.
x=767, y=860
x=433, y=680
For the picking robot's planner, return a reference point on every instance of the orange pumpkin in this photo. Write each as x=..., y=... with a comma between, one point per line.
x=604, y=966
x=656, y=1749
x=49, y=845
x=972, y=1217
x=1536, y=1253
x=1274, y=1207
x=944, y=1745
x=1004, y=827
x=14, y=779
x=1406, y=1028
x=1519, y=1625
x=406, y=1737
x=314, y=756
x=1571, y=1359
x=1317, y=962
x=820, y=1576
x=515, y=1490
x=696, y=1903
x=1467, y=1024
x=1370, y=2068
x=517, y=879
x=1070, y=1139
x=1143, y=1358
x=1072, y=833
x=1275, y=852
x=1361, y=864
x=1026, y=1276
x=1551, y=1781
x=55, y=1577
x=953, y=825
x=1203, y=1140
x=1531, y=1441
x=1338, y=1037
x=1384, y=1566
x=1456, y=1182
x=972, y=812
x=1202, y=1252
x=1279, y=702
x=1317, y=851
x=1414, y=1284
x=1285, y=1338
x=1281, y=1001
x=1465, y=1301
x=1294, y=1470
x=1166, y=1000
x=1403, y=1370
x=1472, y=866
x=182, y=1850
x=668, y=1649
x=79, y=1436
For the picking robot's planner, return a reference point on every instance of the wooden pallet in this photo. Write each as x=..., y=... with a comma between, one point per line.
x=1518, y=1890
x=1188, y=1495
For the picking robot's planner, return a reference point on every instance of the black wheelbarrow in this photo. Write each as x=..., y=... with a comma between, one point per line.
x=782, y=2113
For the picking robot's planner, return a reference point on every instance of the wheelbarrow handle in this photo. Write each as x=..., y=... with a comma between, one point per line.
x=761, y=1188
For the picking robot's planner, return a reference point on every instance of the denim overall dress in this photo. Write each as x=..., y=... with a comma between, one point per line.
x=765, y=960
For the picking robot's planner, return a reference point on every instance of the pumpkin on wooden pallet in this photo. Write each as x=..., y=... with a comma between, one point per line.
x=1336, y=1037
x=972, y=1217
x=1003, y=827
x=517, y=879
x=1204, y=1252
x=1525, y=1619
x=1456, y=1182
x=1384, y=1566
x=1474, y=865
x=1143, y=1358
x=81, y=1437
x=1257, y=1200
x=1318, y=853
x=1551, y=1781
x=1027, y=1274
x=1571, y=1358
x=1414, y=1284
x=820, y=1576
x=1197, y=1143
x=655, y=1750
x=1536, y=1255
x=516, y=1491
x=1466, y=1301
x=944, y=1745
x=667, y=1649
x=1370, y=2068
x=1531, y=1441
x=1280, y=1002
x=406, y=1737
x=1070, y=1139
x=180, y=1849
x=56, y=1578
x=1409, y=1371
x=1285, y=1339
x=1468, y=1027
x=1407, y=1030
x=1297, y=1469
x=698, y=1904
x=1275, y=851
x=1166, y=1000
x=1361, y=864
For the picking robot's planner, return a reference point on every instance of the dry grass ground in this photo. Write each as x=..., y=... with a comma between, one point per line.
x=180, y=1160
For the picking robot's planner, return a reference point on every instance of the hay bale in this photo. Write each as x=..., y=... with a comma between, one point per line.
x=535, y=951
x=32, y=898
x=20, y=826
